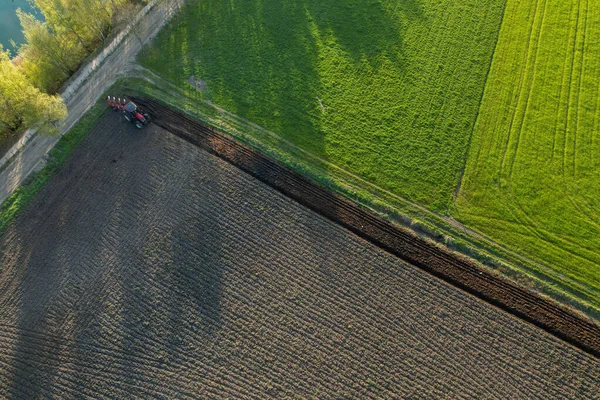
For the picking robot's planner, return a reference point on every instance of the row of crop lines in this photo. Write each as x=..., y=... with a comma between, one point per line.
x=388, y=90
x=531, y=179
x=158, y=291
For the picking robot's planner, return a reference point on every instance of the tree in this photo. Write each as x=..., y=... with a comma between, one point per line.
x=23, y=105
x=58, y=15
x=89, y=20
x=49, y=56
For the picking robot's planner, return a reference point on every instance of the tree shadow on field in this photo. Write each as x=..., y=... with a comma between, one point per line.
x=28, y=286
x=44, y=277
x=117, y=274
x=169, y=291
x=264, y=60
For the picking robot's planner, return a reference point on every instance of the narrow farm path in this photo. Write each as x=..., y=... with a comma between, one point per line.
x=83, y=91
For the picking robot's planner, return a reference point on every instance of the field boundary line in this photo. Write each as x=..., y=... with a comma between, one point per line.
x=461, y=174
x=443, y=230
x=529, y=306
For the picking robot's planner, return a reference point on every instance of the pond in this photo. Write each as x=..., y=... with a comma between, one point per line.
x=10, y=28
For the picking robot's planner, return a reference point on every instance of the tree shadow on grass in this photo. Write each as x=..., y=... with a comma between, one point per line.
x=264, y=60
x=366, y=30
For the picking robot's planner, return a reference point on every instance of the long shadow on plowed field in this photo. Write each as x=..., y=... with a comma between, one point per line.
x=113, y=272
x=515, y=299
x=150, y=268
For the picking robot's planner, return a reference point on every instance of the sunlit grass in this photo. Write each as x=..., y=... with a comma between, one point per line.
x=532, y=178
x=386, y=89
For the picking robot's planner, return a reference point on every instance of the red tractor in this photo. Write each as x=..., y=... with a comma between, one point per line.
x=130, y=110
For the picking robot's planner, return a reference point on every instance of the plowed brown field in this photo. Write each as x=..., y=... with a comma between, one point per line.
x=150, y=268
x=517, y=300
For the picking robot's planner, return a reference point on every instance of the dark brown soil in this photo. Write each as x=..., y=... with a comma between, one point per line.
x=149, y=268
x=548, y=315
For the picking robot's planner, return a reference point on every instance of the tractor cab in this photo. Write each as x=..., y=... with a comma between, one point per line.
x=130, y=107
x=133, y=114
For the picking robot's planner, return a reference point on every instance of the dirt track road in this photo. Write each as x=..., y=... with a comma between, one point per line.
x=82, y=92
x=150, y=268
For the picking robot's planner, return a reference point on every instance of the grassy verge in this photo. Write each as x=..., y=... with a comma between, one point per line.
x=21, y=197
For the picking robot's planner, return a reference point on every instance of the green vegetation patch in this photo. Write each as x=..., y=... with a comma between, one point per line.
x=532, y=177
x=388, y=90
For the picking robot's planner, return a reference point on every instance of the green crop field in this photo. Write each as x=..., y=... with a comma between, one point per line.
x=531, y=180
x=388, y=90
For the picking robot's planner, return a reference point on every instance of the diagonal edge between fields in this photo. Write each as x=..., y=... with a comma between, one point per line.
x=531, y=307
x=461, y=174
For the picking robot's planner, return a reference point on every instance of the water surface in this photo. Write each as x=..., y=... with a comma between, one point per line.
x=10, y=28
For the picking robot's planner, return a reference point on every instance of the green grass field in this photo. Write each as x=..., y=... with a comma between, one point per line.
x=386, y=89
x=531, y=180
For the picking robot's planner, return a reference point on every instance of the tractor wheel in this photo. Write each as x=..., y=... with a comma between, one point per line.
x=139, y=125
x=128, y=117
